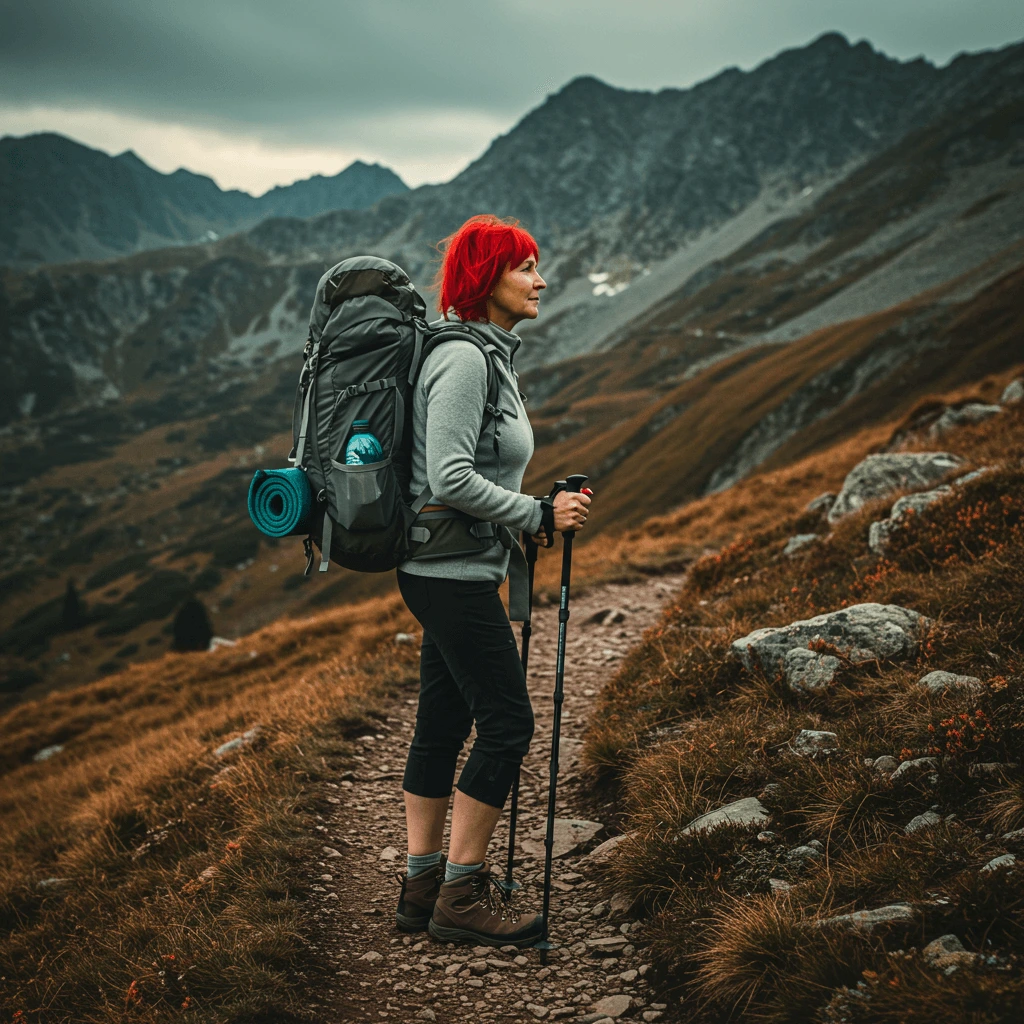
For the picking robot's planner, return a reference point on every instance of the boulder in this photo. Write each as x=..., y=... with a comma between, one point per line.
x=53, y=884
x=972, y=412
x=568, y=834
x=822, y=503
x=973, y=475
x=947, y=953
x=809, y=851
x=880, y=475
x=813, y=741
x=47, y=752
x=601, y=855
x=862, y=632
x=613, y=1006
x=865, y=922
x=880, y=530
x=246, y=739
x=748, y=813
x=1013, y=392
x=927, y=820
x=795, y=543
x=1006, y=860
x=909, y=770
x=807, y=671
x=886, y=763
x=939, y=682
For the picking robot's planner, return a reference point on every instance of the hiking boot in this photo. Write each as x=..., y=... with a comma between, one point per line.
x=474, y=908
x=416, y=900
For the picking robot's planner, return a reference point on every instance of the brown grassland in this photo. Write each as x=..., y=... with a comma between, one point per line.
x=184, y=895
x=684, y=728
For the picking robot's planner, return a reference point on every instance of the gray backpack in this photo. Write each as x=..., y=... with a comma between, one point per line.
x=367, y=341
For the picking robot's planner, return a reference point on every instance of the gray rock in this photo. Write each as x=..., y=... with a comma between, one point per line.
x=47, y=752
x=863, y=632
x=948, y=954
x=973, y=475
x=972, y=412
x=388, y=854
x=1016, y=836
x=613, y=1006
x=1006, y=860
x=53, y=884
x=927, y=820
x=939, y=682
x=246, y=739
x=802, y=853
x=569, y=833
x=748, y=813
x=881, y=530
x=779, y=886
x=811, y=741
x=426, y=1014
x=808, y=671
x=601, y=855
x=879, y=475
x=886, y=763
x=914, y=769
x=822, y=503
x=371, y=957
x=1013, y=392
x=800, y=540
x=865, y=922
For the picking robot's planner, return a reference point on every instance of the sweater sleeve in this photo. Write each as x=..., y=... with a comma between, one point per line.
x=454, y=379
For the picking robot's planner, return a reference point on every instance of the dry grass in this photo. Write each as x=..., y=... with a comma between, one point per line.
x=184, y=888
x=684, y=728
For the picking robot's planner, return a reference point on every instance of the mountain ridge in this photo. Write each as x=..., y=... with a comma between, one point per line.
x=61, y=200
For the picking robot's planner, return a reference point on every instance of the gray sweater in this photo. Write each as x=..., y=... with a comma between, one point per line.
x=453, y=448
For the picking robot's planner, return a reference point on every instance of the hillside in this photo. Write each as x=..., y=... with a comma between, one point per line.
x=874, y=880
x=61, y=201
x=141, y=393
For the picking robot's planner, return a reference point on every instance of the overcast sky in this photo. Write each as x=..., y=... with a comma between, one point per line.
x=262, y=92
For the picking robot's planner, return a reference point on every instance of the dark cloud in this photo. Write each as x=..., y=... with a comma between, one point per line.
x=297, y=72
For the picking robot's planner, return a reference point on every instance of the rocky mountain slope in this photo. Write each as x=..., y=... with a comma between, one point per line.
x=139, y=394
x=60, y=201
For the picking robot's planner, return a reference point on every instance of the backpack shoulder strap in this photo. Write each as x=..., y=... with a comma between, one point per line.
x=427, y=344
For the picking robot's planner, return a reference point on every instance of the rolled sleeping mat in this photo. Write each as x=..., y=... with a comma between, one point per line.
x=280, y=501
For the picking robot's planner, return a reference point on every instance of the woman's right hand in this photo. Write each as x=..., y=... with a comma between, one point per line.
x=571, y=510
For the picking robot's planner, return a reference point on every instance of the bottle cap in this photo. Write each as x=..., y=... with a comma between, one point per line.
x=360, y=423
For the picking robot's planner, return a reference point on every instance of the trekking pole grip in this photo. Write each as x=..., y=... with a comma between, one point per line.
x=574, y=484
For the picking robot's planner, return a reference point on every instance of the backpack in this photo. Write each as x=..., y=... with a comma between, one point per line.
x=367, y=342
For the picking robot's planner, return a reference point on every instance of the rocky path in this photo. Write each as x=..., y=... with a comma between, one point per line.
x=597, y=973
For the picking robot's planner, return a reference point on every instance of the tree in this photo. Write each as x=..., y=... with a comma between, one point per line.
x=192, y=628
x=72, y=614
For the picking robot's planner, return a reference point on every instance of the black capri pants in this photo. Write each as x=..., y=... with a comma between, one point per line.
x=469, y=671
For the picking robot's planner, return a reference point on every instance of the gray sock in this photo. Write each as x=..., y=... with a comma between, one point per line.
x=423, y=862
x=453, y=871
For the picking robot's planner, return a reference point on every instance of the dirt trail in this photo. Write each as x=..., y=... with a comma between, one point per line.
x=384, y=975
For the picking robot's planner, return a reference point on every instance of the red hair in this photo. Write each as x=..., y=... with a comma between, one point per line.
x=474, y=258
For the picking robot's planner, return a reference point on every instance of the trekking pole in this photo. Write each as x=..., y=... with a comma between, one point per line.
x=530, y=548
x=572, y=483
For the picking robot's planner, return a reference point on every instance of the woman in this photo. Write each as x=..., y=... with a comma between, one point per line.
x=470, y=669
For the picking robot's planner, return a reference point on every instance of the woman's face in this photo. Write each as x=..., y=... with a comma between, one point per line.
x=517, y=295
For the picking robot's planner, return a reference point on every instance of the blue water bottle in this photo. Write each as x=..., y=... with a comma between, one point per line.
x=362, y=448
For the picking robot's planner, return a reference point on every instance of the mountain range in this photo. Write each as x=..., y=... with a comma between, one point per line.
x=61, y=201
x=739, y=273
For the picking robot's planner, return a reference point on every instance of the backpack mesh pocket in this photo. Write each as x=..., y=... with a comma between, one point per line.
x=364, y=497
